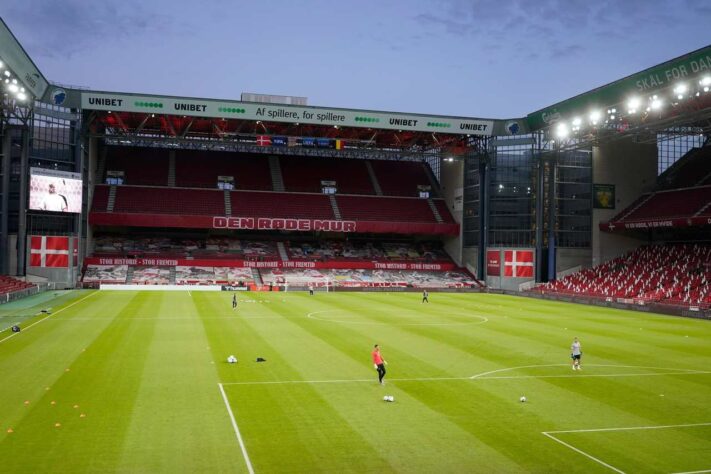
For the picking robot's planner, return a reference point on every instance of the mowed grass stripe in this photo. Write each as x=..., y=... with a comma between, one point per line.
x=278, y=438
x=178, y=422
x=102, y=381
x=353, y=406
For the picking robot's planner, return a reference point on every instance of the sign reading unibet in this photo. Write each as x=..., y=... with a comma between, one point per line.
x=285, y=113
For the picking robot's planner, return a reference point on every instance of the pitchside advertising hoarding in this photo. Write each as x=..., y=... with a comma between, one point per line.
x=55, y=191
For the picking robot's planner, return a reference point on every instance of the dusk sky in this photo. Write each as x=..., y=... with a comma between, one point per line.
x=480, y=58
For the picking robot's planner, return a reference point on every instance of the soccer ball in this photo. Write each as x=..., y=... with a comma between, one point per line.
x=522, y=399
x=388, y=398
x=232, y=359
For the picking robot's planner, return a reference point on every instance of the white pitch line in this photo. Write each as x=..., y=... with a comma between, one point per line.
x=48, y=316
x=589, y=456
x=693, y=472
x=631, y=428
x=440, y=379
x=236, y=428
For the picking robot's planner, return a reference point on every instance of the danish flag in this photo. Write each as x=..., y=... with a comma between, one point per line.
x=49, y=251
x=264, y=140
x=518, y=263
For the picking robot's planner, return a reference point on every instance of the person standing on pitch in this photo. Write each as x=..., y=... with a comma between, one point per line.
x=379, y=363
x=311, y=290
x=576, y=353
x=234, y=301
x=425, y=297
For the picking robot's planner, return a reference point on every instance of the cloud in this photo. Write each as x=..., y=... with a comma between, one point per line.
x=56, y=28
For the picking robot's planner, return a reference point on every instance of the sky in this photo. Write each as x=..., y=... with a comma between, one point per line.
x=474, y=58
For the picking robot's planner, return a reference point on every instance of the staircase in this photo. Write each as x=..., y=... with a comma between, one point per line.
x=334, y=206
x=702, y=210
x=373, y=178
x=640, y=204
x=283, y=254
x=171, y=169
x=436, y=213
x=171, y=277
x=275, y=169
x=112, y=199
x=228, y=204
x=433, y=180
x=257, y=277
x=101, y=166
x=129, y=275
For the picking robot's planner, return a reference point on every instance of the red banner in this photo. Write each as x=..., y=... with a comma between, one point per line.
x=368, y=265
x=49, y=251
x=304, y=225
x=493, y=262
x=655, y=224
x=518, y=263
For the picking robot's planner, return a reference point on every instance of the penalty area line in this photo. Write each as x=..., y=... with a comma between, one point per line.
x=247, y=461
x=580, y=451
x=49, y=316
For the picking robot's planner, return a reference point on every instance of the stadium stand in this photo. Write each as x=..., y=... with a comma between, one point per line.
x=693, y=169
x=306, y=174
x=141, y=166
x=366, y=250
x=101, y=198
x=362, y=278
x=676, y=203
x=286, y=205
x=385, y=209
x=677, y=274
x=140, y=200
x=9, y=284
x=105, y=274
x=401, y=178
x=200, y=169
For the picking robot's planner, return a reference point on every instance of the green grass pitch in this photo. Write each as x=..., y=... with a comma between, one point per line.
x=138, y=382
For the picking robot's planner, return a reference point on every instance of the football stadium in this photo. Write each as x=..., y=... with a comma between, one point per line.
x=261, y=285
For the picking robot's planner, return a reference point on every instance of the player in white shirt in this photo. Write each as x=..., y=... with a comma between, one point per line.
x=576, y=353
x=53, y=201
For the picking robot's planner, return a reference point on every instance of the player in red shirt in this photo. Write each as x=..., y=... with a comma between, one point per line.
x=379, y=364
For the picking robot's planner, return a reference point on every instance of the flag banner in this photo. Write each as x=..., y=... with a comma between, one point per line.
x=603, y=196
x=279, y=141
x=49, y=251
x=339, y=144
x=308, y=141
x=264, y=140
x=293, y=141
x=493, y=262
x=518, y=263
x=324, y=143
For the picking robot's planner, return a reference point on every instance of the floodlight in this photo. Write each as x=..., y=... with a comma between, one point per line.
x=612, y=117
x=705, y=81
x=7, y=73
x=633, y=103
x=577, y=122
x=13, y=88
x=561, y=130
x=656, y=103
x=680, y=90
x=22, y=96
x=595, y=116
x=1, y=64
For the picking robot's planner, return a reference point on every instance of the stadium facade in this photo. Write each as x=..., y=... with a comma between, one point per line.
x=513, y=201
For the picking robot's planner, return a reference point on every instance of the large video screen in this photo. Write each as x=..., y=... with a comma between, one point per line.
x=55, y=191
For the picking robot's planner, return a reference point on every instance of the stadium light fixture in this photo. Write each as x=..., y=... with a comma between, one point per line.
x=561, y=131
x=656, y=103
x=705, y=81
x=22, y=96
x=680, y=90
x=1, y=64
x=595, y=116
x=13, y=88
x=7, y=73
x=633, y=105
x=577, y=121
